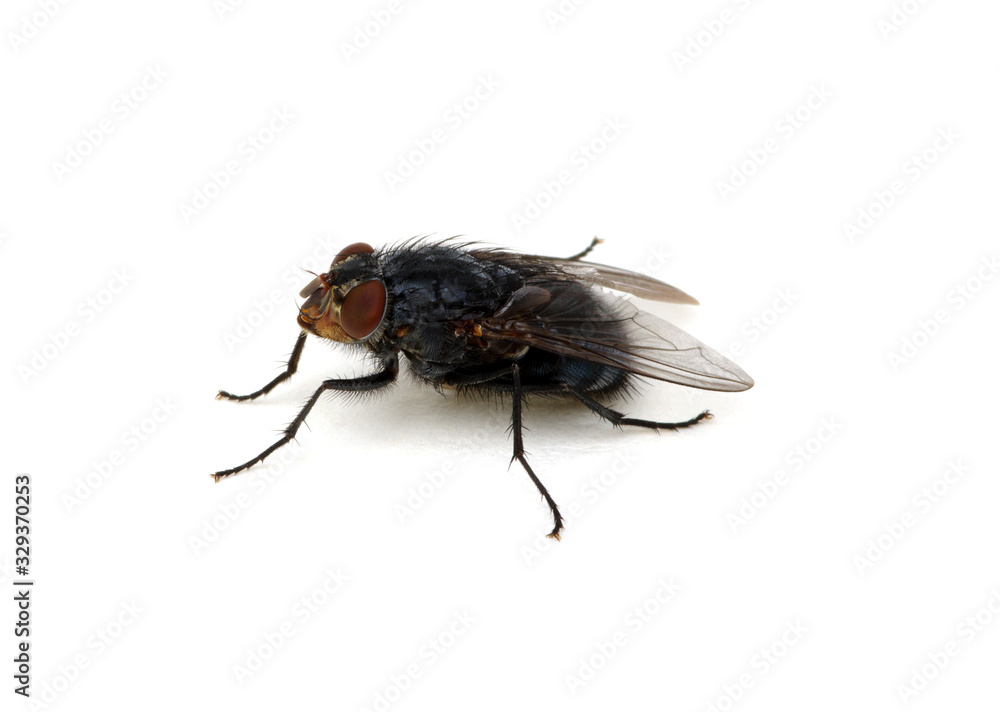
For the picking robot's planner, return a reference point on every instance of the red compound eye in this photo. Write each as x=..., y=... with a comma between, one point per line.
x=363, y=309
x=353, y=249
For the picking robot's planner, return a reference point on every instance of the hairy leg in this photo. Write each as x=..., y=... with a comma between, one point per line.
x=515, y=424
x=619, y=419
x=293, y=363
x=364, y=384
x=580, y=255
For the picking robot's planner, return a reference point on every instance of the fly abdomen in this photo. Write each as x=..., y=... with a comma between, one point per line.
x=542, y=368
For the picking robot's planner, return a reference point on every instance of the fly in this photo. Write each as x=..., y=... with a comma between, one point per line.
x=487, y=320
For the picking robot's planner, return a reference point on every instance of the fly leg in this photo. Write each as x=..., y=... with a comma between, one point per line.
x=293, y=363
x=364, y=384
x=515, y=425
x=580, y=255
x=618, y=419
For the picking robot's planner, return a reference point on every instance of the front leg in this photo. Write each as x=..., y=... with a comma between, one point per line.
x=293, y=363
x=364, y=384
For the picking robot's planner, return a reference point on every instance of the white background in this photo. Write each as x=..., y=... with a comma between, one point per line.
x=816, y=312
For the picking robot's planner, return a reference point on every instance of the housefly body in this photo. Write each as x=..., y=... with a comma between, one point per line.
x=490, y=321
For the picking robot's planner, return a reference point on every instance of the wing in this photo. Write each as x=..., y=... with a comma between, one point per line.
x=590, y=273
x=622, y=280
x=573, y=320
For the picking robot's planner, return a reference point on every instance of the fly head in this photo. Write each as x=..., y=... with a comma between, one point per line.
x=348, y=303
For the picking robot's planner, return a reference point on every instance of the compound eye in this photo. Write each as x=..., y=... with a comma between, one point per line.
x=363, y=309
x=353, y=249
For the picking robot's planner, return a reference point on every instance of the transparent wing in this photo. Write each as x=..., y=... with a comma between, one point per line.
x=612, y=332
x=623, y=280
x=591, y=273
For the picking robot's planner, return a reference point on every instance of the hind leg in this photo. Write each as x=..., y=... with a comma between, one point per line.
x=619, y=419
